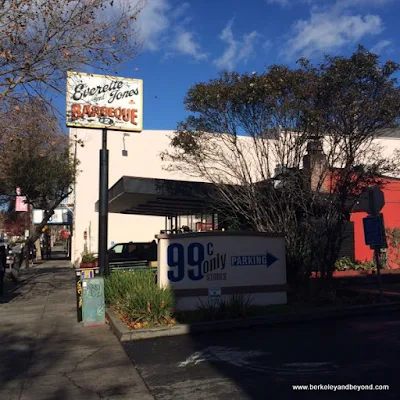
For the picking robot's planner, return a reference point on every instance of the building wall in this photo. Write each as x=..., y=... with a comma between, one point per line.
x=143, y=160
x=348, y=245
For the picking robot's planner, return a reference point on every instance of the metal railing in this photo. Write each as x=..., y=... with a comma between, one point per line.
x=131, y=265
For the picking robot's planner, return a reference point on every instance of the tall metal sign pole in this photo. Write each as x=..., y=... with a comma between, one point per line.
x=107, y=103
x=103, y=206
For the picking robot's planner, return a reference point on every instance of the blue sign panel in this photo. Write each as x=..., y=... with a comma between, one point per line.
x=374, y=231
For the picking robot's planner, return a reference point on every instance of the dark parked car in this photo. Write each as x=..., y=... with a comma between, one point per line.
x=133, y=252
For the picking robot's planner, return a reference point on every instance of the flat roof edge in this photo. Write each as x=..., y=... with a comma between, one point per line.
x=218, y=233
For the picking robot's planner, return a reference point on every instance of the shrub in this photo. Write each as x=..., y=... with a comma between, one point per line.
x=393, y=239
x=365, y=266
x=344, y=264
x=136, y=296
x=88, y=258
x=238, y=306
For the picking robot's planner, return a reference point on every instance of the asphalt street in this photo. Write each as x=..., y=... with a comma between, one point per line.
x=264, y=363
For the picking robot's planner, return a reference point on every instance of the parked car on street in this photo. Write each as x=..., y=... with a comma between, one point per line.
x=132, y=253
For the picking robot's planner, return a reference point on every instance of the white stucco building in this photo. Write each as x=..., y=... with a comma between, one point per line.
x=141, y=160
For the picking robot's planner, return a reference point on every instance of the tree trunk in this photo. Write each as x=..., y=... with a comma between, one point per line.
x=24, y=256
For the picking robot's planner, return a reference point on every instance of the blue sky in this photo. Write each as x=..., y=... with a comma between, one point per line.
x=191, y=41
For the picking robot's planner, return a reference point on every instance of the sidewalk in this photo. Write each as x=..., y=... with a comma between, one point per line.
x=46, y=355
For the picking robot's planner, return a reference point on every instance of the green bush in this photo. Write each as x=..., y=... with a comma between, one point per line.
x=137, y=297
x=238, y=306
x=88, y=258
x=346, y=264
x=393, y=241
x=365, y=266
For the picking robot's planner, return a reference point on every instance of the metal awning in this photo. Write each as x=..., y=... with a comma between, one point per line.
x=159, y=197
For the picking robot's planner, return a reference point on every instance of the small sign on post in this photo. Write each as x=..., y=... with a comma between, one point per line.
x=214, y=296
x=372, y=201
x=374, y=231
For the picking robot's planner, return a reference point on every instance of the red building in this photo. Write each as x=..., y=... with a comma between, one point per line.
x=314, y=162
x=391, y=215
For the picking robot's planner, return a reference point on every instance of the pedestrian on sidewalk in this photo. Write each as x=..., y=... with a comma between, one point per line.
x=48, y=251
x=3, y=263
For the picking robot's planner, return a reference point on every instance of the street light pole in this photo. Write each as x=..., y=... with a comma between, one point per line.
x=103, y=206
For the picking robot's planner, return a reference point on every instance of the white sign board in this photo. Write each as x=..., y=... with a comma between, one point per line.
x=215, y=264
x=60, y=216
x=102, y=101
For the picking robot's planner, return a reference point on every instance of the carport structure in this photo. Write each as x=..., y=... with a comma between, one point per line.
x=161, y=197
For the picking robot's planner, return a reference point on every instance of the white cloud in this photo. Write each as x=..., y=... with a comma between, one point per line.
x=338, y=4
x=378, y=48
x=184, y=43
x=236, y=50
x=329, y=30
x=154, y=22
x=180, y=11
x=163, y=28
x=290, y=3
x=267, y=46
x=282, y=3
x=355, y=3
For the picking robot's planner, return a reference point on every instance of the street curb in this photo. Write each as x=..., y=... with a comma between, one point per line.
x=124, y=334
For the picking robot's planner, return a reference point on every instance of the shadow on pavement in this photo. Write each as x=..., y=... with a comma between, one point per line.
x=31, y=285
x=59, y=255
x=49, y=367
x=46, y=355
x=264, y=362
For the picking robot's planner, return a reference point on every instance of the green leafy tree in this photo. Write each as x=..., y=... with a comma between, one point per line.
x=316, y=123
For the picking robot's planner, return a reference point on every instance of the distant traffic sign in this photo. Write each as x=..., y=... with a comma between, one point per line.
x=372, y=200
x=374, y=231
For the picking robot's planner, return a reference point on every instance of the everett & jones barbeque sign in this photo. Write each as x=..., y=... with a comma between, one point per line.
x=102, y=101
